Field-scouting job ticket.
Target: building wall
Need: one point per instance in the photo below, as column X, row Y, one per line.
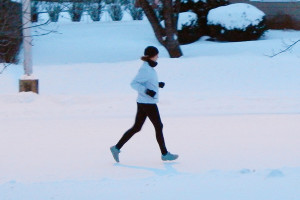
column 279, row 15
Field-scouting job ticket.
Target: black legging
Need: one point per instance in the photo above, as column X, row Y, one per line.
column 144, row 111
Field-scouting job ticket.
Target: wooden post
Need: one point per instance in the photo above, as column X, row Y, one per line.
column 29, row 85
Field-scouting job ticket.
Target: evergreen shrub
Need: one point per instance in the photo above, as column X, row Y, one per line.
column 236, row 22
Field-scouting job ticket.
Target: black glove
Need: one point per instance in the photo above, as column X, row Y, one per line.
column 161, row 84
column 151, row 93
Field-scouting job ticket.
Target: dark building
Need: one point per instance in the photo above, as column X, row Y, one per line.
column 280, row 14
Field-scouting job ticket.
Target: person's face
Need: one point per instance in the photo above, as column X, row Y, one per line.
column 154, row 58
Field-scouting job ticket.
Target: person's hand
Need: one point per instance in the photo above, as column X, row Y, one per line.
column 161, row 84
column 151, row 93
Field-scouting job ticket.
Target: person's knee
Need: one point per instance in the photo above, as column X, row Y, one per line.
column 159, row 126
column 136, row 129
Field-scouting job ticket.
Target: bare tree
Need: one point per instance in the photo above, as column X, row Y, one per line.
column 167, row 35
column 287, row 47
column 10, row 31
column 11, row 36
column 3, row 67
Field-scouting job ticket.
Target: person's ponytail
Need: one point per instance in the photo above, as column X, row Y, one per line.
column 145, row 58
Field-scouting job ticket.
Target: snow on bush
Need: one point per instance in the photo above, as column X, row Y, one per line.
column 76, row 11
column 239, row 15
column 53, row 9
column 187, row 1
column 95, row 11
column 186, row 19
column 115, row 11
column 236, row 22
column 201, row 8
column 188, row 28
column 136, row 13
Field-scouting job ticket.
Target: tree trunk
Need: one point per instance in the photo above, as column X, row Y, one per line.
column 157, row 28
column 173, row 48
column 166, row 36
column 172, row 44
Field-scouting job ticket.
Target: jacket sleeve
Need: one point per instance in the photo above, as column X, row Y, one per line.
column 139, row 82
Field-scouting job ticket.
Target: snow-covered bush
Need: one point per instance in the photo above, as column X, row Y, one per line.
column 95, row 10
column 187, row 5
column 115, row 11
column 236, row 22
column 76, row 11
column 201, row 8
column 136, row 13
column 188, row 28
column 34, row 11
column 125, row 2
column 53, row 10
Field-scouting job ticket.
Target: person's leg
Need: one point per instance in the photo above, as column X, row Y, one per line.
column 139, row 121
column 154, row 116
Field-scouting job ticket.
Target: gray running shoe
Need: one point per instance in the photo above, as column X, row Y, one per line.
column 115, row 152
column 169, row 156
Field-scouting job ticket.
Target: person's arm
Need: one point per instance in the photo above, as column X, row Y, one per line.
column 138, row 83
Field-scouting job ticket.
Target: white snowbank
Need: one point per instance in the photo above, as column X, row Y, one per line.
column 235, row 16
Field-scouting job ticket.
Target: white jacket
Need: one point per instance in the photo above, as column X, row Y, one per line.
column 146, row 78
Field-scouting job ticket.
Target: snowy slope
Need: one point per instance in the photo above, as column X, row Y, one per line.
column 229, row 111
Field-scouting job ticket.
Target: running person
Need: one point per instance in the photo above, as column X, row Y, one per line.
column 147, row 85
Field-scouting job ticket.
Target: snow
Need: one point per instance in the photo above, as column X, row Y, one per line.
column 27, row 77
column 229, row 111
column 235, row 16
column 186, row 18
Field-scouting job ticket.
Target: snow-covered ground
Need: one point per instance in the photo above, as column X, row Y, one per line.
column 231, row 113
